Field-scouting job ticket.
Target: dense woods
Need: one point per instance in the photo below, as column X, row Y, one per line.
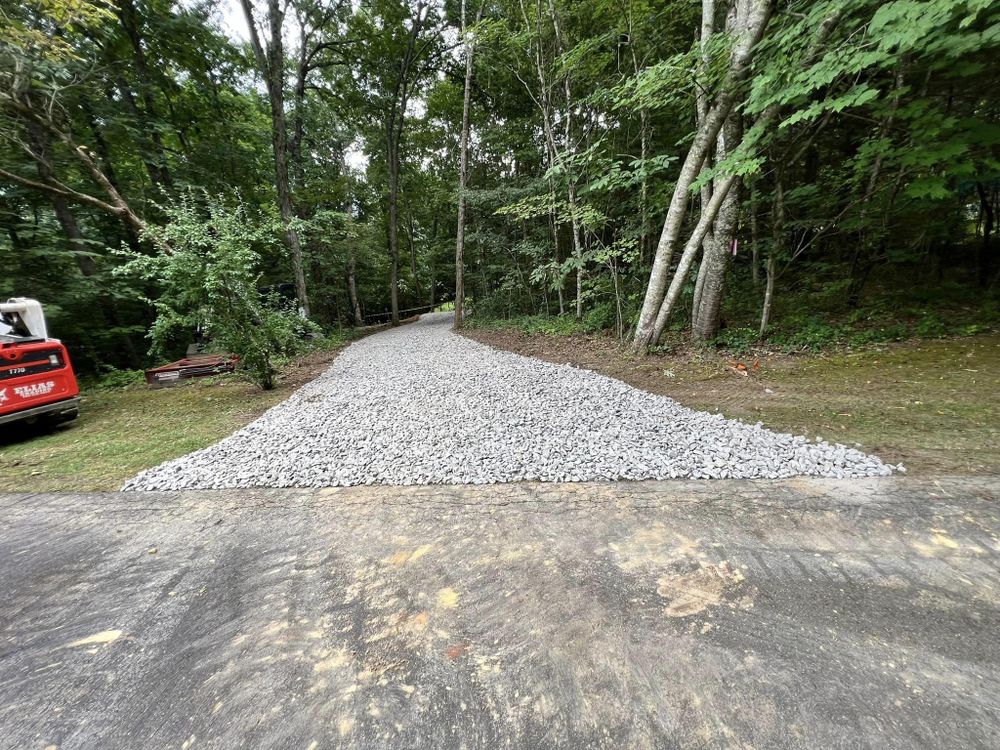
column 714, row 170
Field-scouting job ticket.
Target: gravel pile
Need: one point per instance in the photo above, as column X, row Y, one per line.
column 421, row 405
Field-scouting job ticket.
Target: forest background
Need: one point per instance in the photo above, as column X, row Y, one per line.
column 793, row 175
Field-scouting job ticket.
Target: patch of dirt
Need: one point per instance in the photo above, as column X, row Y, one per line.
column 301, row 370
column 693, row 591
column 932, row 405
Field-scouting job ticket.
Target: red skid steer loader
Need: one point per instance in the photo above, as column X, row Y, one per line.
column 36, row 377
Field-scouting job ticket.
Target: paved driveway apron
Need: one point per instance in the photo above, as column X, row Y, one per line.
column 806, row 613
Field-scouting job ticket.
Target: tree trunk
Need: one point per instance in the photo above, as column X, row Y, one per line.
column 765, row 315
column 688, row 256
column 554, row 229
column 862, row 262
column 706, row 316
column 701, row 107
column 40, row 143
column 577, row 250
column 352, row 289
column 394, row 229
column 777, row 247
column 104, row 154
column 754, row 236
column 271, row 64
column 418, row 286
column 40, row 147
column 718, row 253
column 544, row 103
column 571, row 180
column 699, row 284
column 984, row 258
column 115, row 205
column 644, row 138
column 463, row 177
column 298, row 102
column 434, row 235
column 647, row 331
column 394, row 121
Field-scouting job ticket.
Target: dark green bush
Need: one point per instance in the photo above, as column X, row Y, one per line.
column 112, row 378
column 736, row 340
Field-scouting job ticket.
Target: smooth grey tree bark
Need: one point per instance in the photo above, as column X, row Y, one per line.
column 701, row 101
column 648, row 329
column 352, row 289
column 765, row 315
column 749, row 23
column 777, row 247
column 716, row 253
column 688, row 255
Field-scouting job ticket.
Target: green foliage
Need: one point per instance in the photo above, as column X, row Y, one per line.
column 111, row 378
column 930, row 326
column 880, row 335
column 208, row 268
column 736, row 340
column 599, row 317
column 806, row 333
column 550, row 325
column 43, row 32
column 886, row 133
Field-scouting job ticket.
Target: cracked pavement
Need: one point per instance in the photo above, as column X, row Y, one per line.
column 802, row 613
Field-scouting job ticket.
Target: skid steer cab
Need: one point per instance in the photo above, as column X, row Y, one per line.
column 36, row 377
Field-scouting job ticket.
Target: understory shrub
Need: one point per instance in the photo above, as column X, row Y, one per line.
column 111, row 378
column 736, row 340
column 207, row 267
column 601, row 317
column 806, row 334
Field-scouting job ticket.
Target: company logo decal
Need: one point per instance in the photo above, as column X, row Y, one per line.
column 35, row 389
column 3, row 395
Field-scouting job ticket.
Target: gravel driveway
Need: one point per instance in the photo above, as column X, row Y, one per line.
column 421, row 405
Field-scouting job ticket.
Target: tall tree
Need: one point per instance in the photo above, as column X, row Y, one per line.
column 463, row 170
column 399, row 45
column 270, row 56
column 657, row 303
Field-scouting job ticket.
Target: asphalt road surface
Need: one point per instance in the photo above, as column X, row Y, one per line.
column 804, row 613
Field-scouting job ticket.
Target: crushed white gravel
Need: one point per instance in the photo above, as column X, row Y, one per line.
column 421, row 405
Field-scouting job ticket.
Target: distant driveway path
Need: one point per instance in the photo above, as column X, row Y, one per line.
column 422, row 405
column 798, row 614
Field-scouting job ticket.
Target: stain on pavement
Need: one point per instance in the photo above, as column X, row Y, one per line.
column 809, row 613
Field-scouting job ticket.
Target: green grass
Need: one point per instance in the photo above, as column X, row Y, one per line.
column 933, row 405
column 121, row 432
column 530, row 324
column 125, row 427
